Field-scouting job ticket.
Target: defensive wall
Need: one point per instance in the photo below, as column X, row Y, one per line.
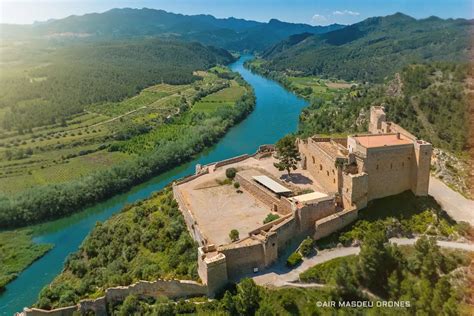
column 169, row 288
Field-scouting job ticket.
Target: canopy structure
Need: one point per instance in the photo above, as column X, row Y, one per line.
column 270, row 184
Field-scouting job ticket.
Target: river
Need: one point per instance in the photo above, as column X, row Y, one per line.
column 276, row 114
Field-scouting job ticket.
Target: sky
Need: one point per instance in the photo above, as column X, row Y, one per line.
column 322, row 12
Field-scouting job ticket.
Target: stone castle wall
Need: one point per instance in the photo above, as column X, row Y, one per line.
column 420, row 183
column 390, row 170
column 258, row 192
column 320, row 164
column 169, row 288
column 191, row 223
column 355, row 190
column 326, row 226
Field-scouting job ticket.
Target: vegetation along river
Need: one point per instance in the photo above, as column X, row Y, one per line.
column 276, row 114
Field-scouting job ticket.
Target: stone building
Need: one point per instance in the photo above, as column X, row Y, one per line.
column 336, row 178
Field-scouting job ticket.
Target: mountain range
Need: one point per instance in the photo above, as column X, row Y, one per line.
column 229, row 33
column 371, row 49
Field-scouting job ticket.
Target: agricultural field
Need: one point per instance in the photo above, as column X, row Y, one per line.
column 322, row 88
column 87, row 142
column 225, row 97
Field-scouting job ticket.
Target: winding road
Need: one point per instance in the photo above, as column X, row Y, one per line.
column 280, row 276
column 456, row 205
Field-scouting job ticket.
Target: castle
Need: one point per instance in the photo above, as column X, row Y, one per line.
column 336, row 177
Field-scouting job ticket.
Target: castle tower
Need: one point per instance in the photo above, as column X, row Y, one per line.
column 377, row 116
column 421, row 179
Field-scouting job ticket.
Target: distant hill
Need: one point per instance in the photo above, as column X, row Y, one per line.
column 85, row 73
column 371, row 49
column 229, row 33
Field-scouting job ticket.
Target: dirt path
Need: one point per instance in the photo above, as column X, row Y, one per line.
column 280, row 276
column 456, row 205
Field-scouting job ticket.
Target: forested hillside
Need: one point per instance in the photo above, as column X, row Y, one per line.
column 57, row 170
column 56, row 82
column 229, row 33
column 372, row 49
column 425, row 99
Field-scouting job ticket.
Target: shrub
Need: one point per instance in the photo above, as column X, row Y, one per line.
column 294, row 259
column 270, row 218
column 307, row 247
column 234, row 235
column 236, row 185
column 230, row 173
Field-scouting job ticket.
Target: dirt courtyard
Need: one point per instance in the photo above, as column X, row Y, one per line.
column 218, row 207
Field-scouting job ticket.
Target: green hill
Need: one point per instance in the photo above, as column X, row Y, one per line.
column 228, row 33
column 63, row 80
column 372, row 49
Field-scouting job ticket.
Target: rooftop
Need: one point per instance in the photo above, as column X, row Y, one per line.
column 271, row 184
column 381, row 140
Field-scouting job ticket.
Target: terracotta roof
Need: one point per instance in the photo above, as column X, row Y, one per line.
column 370, row 141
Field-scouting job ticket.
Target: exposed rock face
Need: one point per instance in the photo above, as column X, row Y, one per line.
column 452, row 170
column 395, row 87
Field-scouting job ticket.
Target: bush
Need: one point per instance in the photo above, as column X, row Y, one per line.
column 270, row 218
column 294, row 259
column 234, row 235
column 230, row 173
column 236, row 185
column 307, row 247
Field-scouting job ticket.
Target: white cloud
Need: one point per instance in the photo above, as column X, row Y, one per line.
column 318, row 18
column 346, row 12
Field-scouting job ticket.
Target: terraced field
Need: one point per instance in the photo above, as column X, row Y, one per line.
column 108, row 133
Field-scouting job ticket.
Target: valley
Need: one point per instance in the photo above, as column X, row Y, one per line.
column 100, row 116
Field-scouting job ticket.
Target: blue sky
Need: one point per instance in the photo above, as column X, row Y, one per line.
column 321, row 12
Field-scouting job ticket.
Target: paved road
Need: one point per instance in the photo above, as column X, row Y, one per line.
column 456, row 205
column 280, row 276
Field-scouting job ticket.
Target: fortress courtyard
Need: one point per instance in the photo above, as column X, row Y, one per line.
column 219, row 207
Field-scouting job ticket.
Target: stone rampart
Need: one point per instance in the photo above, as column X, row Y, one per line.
column 230, row 161
column 326, row 226
column 170, row 288
column 261, row 194
column 63, row 311
column 189, row 219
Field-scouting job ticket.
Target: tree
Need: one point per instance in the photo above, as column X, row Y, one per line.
column 227, row 303
column 287, row 154
column 270, row 218
column 247, row 298
column 234, row 235
column 230, row 173
column 307, row 246
column 441, row 294
column 344, row 281
column 130, row 306
column 373, row 255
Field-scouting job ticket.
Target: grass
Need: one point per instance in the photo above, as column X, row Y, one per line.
column 18, row 251
column 225, row 97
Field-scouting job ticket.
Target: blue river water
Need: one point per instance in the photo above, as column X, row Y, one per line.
column 276, row 114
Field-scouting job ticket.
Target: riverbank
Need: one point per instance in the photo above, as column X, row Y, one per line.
column 150, row 150
column 17, row 252
column 275, row 115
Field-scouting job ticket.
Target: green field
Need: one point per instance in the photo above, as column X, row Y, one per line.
column 221, row 98
column 80, row 145
column 17, row 251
